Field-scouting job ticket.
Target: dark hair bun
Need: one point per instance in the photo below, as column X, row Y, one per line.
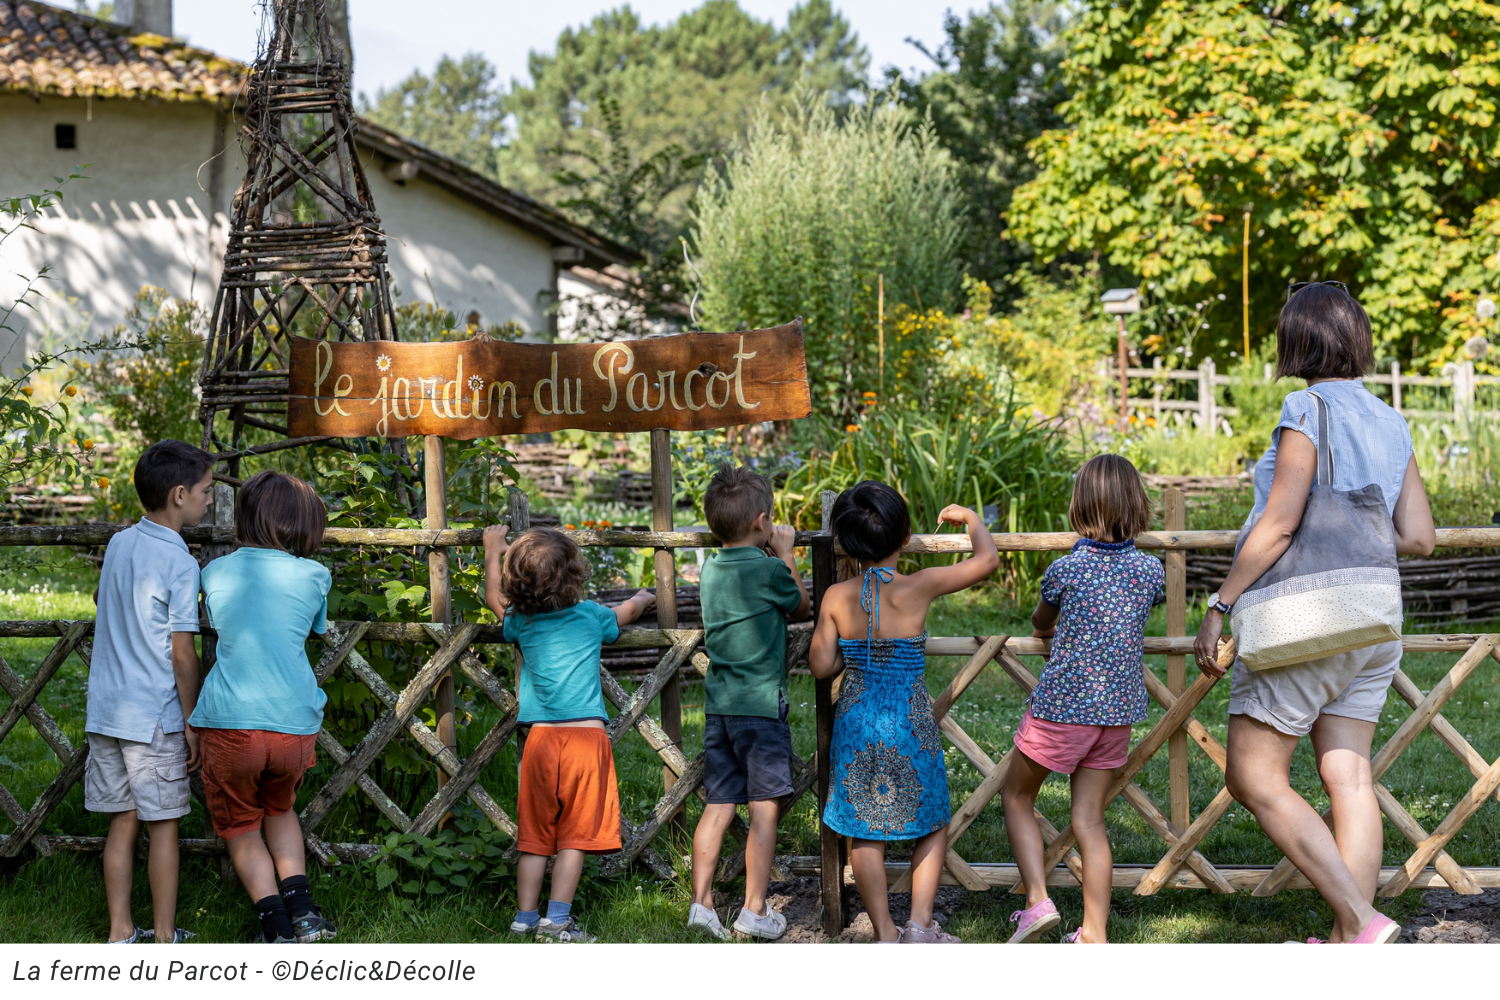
column 871, row 521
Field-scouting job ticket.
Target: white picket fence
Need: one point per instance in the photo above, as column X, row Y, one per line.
column 1205, row 412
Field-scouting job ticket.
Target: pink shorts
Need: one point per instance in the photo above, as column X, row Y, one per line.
column 1065, row 747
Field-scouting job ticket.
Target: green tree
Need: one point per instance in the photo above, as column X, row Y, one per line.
column 1361, row 139
column 994, row 89
column 457, row 110
column 693, row 84
column 808, row 215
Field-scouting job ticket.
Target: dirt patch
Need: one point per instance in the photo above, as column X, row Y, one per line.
column 800, row 901
column 1448, row 918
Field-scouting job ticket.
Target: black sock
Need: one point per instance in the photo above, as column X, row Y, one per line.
column 274, row 920
column 298, row 895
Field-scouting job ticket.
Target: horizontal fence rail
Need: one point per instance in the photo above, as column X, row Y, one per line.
column 1032, row 541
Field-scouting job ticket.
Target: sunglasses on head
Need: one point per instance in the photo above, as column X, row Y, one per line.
column 1297, row 286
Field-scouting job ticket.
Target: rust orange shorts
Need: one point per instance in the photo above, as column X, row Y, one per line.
column 569, row 799
column 249, row 774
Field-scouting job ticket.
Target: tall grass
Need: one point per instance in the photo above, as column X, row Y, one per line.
column 809, row 213
column 1021, row 466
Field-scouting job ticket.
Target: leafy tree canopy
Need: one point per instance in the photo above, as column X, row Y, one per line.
column 693, row 84
column 994, row 88
column 1362, row 140
column 457, row 110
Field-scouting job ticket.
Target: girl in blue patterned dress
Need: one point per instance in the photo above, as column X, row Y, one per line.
column 887, row 775
column 1096, row 600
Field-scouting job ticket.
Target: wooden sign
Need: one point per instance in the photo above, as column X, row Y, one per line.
column 477, row 388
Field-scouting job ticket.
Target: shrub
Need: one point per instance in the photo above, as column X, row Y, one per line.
column 807, row 218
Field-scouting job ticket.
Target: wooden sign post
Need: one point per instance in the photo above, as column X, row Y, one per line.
column 481, row 387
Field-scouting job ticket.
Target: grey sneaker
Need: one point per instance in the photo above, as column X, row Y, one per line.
column 136, row 936
column 915, row 933
column 706, row 920
column 313, row 926
column 567, row 931
column 521, row 928
column 768, row 926
column 179, row 936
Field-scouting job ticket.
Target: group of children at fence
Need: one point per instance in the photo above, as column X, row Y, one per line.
column 253, row 725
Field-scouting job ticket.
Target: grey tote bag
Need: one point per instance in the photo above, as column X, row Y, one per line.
column 1335, row 588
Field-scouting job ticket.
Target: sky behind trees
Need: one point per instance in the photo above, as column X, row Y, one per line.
column 389, row 42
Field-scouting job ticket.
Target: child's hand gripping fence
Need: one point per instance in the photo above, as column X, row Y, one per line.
column 1181, row 866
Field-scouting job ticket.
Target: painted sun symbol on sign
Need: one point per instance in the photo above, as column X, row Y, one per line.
column 383, row 362
column 476, row 383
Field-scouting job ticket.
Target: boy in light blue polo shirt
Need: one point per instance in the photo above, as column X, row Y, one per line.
column 143, row 684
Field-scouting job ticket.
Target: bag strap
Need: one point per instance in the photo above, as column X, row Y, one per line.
column 1325, row 445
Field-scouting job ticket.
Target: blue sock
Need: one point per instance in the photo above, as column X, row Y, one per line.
column 527, row 917
column 558, row 912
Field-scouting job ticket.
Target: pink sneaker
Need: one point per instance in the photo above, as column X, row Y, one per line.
column 1381, row 930
column 1032, row 923
column 1073, row 937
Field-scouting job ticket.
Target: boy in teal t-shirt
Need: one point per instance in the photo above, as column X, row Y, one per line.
column 747, row 594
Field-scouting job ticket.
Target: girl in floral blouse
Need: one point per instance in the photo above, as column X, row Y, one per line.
column 1096, row 600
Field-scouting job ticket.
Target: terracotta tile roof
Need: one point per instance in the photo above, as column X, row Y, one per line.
column 47, row 50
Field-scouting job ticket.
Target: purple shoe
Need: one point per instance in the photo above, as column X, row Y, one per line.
column 1032, row 923
column 915, row 933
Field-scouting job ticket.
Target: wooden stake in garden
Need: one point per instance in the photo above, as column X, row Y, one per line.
column 439, row 585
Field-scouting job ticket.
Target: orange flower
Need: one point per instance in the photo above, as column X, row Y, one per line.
column 26, row 390
column 104, row 482
column 569, row 527
column 71, row 390
column 604, row 524
column 87, row 444
column 1150, row 421
column 851, row 428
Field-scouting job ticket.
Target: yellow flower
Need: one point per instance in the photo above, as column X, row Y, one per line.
column 88, row 444
column 104, row 482
column 1150, row 421
column 71, row 390
column 26, row 390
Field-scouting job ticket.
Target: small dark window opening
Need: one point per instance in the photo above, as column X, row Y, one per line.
column 66, row 136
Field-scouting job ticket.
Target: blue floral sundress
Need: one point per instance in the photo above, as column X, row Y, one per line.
column 888, row 776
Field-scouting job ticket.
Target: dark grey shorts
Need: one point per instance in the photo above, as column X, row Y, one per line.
column 747, row 758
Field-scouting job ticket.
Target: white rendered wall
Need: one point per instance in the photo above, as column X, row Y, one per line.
column 148, row 211
column 449, row 251
column 154, row 211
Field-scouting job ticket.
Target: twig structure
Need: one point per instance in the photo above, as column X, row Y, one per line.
column 306, row 254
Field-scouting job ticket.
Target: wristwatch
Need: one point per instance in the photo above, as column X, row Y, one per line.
column 1218, row 605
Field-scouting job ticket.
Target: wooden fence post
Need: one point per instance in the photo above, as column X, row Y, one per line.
column 1175, row 509
column 1463, row 396
column 1396, row 386
column 520, row 521
column 220, row 516
column 439, row 585
column 1208, row 413
column 1157, row 385
column 824, row 568
column 666, row 590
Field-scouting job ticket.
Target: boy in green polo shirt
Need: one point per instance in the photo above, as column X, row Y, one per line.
column 747, row 593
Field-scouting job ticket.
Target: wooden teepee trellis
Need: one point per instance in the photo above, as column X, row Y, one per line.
column 306, row 253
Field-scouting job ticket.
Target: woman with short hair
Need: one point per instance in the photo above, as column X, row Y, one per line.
column 1323, row 336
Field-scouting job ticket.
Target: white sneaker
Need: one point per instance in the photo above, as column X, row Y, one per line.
column 707, row 920
column 767, row 927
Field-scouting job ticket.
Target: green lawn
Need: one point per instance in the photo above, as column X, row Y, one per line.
column 60, row 898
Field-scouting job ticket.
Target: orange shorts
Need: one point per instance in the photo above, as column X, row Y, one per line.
column 569, row 799
column 249, row 774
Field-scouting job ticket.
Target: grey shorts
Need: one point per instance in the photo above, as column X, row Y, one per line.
column 150, row 778
column 747, row 758
column 1290, row 699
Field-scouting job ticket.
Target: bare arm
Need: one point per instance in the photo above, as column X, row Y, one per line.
column 1296, row 468
column 1044, row 620
column 185, row 671
column 495, row 548
column 630, row 610
column 824, row 659
column 979, row 566
column 1412, row 519
column 782, row 536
